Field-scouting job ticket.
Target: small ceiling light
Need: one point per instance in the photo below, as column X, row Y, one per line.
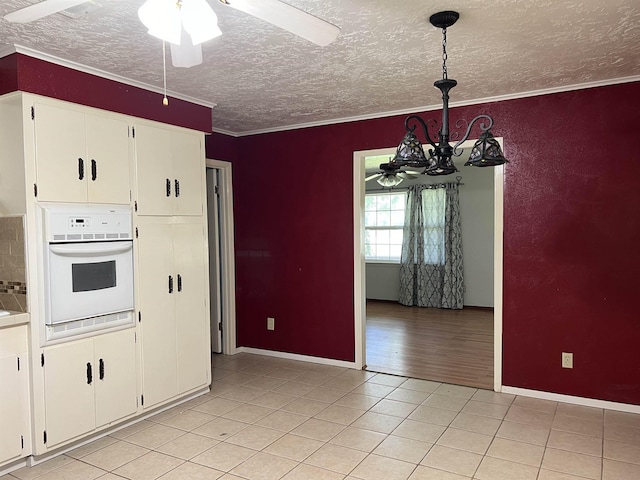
column 389, row 180
column 410, row 154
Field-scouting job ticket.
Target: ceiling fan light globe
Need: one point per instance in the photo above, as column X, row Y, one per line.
column 161, row 19
column 389, row 180
column 199, row 20
column 186, row 54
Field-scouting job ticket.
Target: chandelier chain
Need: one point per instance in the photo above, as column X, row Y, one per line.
column 444, row 54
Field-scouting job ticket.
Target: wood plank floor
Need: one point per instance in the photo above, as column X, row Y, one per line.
column 451, row 346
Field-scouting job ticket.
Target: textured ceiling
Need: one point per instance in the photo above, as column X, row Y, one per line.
column 385, row 59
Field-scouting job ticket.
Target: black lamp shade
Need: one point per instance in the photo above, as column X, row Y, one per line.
column 486, row 152
column 440, row 166
column 410, row 152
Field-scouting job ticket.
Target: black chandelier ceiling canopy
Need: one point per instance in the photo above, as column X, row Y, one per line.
column 410, row 153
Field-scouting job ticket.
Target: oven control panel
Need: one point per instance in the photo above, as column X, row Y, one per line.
column 75, row 223
column 80, row 222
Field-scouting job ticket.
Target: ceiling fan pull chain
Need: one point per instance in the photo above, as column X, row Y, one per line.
column 165, row 100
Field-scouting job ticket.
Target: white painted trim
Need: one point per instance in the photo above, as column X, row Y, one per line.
column 226, row 132
column 559, row 397
column 227, row 250
column 10, row 49
column 359, row 273
column 498, row 271
column 11, row 467
column 428, row 108
column 296, row 356
column 359, row 265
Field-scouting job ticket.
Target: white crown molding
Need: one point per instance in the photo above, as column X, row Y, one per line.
column 10, row 49
column 558, row 397
column 226, row 132
column 428, row 108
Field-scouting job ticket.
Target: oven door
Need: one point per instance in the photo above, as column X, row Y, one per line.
column 89, row 279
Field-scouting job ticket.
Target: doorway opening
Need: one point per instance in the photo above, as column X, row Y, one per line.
column 222, row 283
column 386, row 325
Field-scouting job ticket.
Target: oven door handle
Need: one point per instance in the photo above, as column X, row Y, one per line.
column 89, row 250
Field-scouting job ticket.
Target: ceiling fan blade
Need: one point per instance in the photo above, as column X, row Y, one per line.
column 186, row 54
column 40, row 10
column 289, row 18
column 374, row 176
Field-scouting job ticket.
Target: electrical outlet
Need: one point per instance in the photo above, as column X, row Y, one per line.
column 271, row 323
column 567, row 360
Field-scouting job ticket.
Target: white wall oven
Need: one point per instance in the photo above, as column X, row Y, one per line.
column 88, row 268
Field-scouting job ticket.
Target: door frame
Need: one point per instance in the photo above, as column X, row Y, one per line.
column 227, row 255
column 359, row 264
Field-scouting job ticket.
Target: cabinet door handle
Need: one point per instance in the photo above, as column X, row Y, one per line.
column 179, row 282
column 177, row 189
column 168, row 187
column 101, row 369
column 94, row 170
column 80, row 169
column 170, row 284
column 89, row 374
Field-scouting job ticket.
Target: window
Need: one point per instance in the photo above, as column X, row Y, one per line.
column 383, row 223
column 433, row 213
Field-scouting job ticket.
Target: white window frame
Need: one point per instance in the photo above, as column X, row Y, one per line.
column 384, row 227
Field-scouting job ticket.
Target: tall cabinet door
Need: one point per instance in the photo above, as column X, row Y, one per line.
column 154, row 173
column 61, row 156
column 68, row 388
column 115, row 377
column 108, row 160
column 192, row 319
column 188, row 171
column 156, row 304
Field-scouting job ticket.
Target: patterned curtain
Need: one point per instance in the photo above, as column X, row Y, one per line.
column 431, row 262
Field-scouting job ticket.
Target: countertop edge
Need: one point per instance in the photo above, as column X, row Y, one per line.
column 14, row 319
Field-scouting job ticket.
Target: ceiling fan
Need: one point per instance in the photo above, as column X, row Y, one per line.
column 391, row 176
column 185, row 24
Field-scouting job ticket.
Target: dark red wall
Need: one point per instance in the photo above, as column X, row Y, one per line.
column 51, row 80
column 571, row 229
column 572, row 194
column 222, row 147
column 8, row 74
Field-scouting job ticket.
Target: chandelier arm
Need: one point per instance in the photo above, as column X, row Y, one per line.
column 424, row 128
column 483, row 126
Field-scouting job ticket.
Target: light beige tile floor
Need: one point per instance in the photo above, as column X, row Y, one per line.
column 270, row 419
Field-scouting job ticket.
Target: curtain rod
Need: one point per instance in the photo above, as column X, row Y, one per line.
column 428, row 185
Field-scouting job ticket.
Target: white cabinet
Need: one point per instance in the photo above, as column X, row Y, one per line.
column 88, row 384
column 173, row 306
column 169, row 171
column 81, row 156
column 14, row 402
column 14, row 395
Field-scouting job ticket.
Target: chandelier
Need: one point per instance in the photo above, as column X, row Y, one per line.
column 410, row 154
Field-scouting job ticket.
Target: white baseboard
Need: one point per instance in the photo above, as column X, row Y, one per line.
column 587, row 402
column 10, row 467
column 296, row 356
